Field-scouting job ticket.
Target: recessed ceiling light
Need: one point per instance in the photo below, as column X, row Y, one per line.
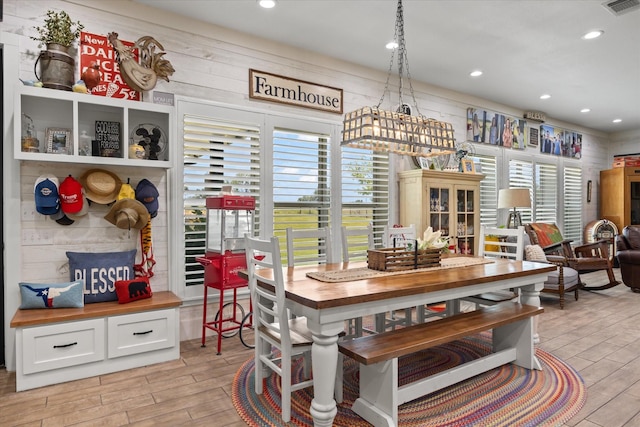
column 617, row 120
column 545, row 96
column 593, row 34
column 475, row 73
column 585, row 110
column 392, row 45
column 267, row 4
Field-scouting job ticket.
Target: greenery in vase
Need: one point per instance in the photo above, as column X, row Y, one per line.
column 58, row 28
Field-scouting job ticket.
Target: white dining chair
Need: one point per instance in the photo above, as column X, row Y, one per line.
column 495, row 242
column 274, row 328
column 356, row 241
column 308, row 246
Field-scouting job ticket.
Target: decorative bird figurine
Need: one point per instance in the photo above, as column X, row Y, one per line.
column 91, row 75
column 144, row 76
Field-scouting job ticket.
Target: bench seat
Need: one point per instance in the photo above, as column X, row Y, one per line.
column 380, row 393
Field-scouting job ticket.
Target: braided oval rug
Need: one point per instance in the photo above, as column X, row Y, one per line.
column 505, row 396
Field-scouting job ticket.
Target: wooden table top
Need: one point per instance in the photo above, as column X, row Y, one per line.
column 318, row 295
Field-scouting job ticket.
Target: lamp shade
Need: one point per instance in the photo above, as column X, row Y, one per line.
column 514, row 198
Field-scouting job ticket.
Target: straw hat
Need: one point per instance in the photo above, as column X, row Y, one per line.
column 100, row 185
column 128, row 214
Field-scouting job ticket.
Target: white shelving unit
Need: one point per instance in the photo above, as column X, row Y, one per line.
column 77, row 112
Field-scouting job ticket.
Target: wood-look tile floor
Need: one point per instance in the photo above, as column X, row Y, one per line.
column 599, row 335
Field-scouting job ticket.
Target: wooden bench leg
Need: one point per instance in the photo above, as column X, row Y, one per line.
column 518, row 335
column 378, row 401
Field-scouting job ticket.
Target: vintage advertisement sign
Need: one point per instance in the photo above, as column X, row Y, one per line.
column 285, row 90
column 96, row 48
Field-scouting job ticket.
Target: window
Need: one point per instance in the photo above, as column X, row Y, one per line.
column 572, row 194
column 365, row 190
column 521, row 176
column 301, row 182
column 546, row 193
column 216, row 153
column 488, row 190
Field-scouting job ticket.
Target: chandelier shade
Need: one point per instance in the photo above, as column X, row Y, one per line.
column 389, row 131
column 373, row 128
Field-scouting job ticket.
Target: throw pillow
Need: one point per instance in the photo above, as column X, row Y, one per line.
column 100, row 271
column 547, row 234
column 133, row 290
column 58, row 295
column 534, row 253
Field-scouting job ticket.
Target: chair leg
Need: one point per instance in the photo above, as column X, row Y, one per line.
column 561, row 300
column 285, row 398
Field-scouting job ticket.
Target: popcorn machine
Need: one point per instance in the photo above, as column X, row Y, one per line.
column 229, row 218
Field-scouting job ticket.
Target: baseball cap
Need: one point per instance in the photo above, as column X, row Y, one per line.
column 46, row 194
column 71, row 200
column 147, row 194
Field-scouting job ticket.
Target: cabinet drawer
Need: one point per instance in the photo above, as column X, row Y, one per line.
column 141, row 332
column 63, row 344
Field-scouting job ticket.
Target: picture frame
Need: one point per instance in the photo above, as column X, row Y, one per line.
column 468, row 166
column 58, row 141
column 424, row 162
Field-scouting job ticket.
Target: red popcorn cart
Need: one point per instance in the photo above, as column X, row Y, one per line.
column 229, row 218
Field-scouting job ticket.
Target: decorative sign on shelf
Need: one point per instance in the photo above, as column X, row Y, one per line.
column 96, row 49
column 108, row 142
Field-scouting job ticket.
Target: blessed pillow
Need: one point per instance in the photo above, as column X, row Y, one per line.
column 99, row 271
column 58, row 295
column 133, row 290
column 534, row 253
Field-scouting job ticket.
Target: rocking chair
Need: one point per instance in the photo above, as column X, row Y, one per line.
column 584, row 258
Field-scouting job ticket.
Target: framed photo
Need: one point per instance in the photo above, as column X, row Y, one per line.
column 58, row 141
column 424, row 162
column 468, row 166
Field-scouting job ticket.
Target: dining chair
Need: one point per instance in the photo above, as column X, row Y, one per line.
column 495, row 242
column 398, row 236
column 356, row 241
column 274, row 330
column 308, row 246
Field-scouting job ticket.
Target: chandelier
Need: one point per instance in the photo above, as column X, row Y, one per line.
column 397, row 131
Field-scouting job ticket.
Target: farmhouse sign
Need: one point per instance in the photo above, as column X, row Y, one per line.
column 285, row 90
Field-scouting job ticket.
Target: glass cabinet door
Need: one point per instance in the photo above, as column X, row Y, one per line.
column 439, row 210
column 465, row 219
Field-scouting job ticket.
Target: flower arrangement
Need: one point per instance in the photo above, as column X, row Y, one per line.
column 432, row 240
column 58, row 28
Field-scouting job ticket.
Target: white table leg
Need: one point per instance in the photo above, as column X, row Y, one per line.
column 324, row 358
column 531, row 296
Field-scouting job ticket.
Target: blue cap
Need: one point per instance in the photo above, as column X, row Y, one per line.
column 147, row 194
column 46, row 195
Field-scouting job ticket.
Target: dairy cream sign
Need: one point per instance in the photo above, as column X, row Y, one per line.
column 285, row 90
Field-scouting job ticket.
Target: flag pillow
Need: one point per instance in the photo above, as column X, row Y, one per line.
column 53, row 295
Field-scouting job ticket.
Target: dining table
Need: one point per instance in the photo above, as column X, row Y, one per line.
column 329, row 294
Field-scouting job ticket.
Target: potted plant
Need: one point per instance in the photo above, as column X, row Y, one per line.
column 58, row 34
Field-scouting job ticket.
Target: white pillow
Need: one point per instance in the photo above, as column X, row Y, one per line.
column 534, row 253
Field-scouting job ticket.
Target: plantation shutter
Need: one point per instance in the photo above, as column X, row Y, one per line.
column 546, row 195
column 572, row 194
column 488, row 190
column 521, row 176
column 216, row 153
column 301, row 181
column 365, row 190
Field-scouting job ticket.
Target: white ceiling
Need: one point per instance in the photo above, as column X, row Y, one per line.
column 525, row 47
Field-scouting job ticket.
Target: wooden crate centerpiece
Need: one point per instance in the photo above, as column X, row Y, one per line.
column 396, row 259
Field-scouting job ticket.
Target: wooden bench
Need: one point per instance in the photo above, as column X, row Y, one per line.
column 380, row 393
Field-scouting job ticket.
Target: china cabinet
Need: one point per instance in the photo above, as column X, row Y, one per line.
column 445, row 201
column 620, row 196
column 82, row 128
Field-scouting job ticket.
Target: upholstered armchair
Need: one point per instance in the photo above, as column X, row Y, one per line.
column 584, row 258
column 628, row 254
column 564, row 280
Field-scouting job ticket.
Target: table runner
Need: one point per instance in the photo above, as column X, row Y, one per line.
column 363, row 273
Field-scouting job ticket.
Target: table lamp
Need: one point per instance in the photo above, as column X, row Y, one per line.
column 514, row 198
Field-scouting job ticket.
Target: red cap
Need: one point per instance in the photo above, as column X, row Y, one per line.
column 70, row 195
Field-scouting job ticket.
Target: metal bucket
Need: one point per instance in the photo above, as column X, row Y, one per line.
column 57, row 67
